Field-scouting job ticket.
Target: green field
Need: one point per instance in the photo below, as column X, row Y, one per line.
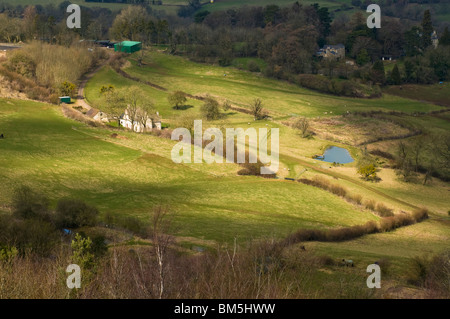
column 436, row 93
column 129, row 176
column 62, row 158
column 240, row 87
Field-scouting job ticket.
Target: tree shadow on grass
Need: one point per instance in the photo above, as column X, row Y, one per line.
column 183, row 107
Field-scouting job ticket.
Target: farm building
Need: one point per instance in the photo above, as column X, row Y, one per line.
column 97, row 115
column 128, row 46
column 332, row 51
column 65, row 99
column 139, row 126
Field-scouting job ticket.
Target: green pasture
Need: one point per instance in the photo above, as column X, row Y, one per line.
column 63, row 158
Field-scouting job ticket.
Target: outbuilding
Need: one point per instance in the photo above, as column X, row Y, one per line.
column 65, row 99
column 128, row 46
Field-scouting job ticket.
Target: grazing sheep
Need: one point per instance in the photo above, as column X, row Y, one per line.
column 347, row 263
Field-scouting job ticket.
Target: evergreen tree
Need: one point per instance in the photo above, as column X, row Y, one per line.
column 410, row 70
column 377, row 74
column 427, row 29
column 395, row 76
column 445, row 38
column 363, row 57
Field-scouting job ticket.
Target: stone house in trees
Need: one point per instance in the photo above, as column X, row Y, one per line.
column 332, row 51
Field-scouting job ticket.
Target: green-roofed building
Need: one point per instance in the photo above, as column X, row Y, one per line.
column 128, row 46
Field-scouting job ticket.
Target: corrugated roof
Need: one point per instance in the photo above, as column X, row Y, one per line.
column 129, row 43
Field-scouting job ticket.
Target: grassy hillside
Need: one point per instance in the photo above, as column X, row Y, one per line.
column 63, row 158
column 128, row 176
column 241, row 87
column 283, row 100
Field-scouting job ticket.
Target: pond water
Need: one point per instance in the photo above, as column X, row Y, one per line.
column 336, row 154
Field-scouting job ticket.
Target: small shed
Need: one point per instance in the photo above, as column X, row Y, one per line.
column 64, row 99
column 128, row 46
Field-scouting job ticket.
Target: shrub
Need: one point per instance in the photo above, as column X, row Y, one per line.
column 370, row 204
column 67, row 88
column 368, row 172
column 257, row 110
column 396, row 221
column 106, row 88
column 417, row 273
column 252, row 66
column 383, row 211
column 302, row 124
column 338, row 190
column 226, row 105
column 21, row 63
column 381, row 153
column 356, row 199
column 210, row 109
column 385, row 265
column 28, row 236
column 420, row 214
column 73, row 213
column 28, row 204
column 254, row 169
column 326, row 260
column 438, row 273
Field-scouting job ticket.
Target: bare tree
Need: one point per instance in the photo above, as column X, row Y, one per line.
column 257, row 110
column 161, row 227
column 139, row 107
column 302, row 124
column 417, row 148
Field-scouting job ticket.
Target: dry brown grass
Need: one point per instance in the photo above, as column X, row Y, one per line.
column 356, row 130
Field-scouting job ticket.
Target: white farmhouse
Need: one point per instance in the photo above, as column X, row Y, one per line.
column 146, row 125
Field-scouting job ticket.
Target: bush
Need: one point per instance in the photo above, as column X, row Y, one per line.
column 396, row 221
column 302, row 124
column 326, row 260
column 325, row 85
column 28, row 204
column 437, row 277
column 420, row 214
column 21, row 63
column 30, row 236
column 333, row 235
column 210, row 109
column 417, row 273
column 73, row 213
column 368, row 172
column 226, row 105
column 254, row 169
column 381, row 153
column 357, row 199
column 252, row 66
column 385, row 265
column 338, row 190
column 383, row 211
column 257, row 110
column 370, row 204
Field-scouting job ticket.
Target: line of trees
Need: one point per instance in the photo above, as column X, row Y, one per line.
column 285, row 38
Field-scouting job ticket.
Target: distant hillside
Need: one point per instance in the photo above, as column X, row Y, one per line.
column 411, row 9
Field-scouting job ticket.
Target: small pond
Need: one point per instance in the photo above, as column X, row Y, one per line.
column 336, row 154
